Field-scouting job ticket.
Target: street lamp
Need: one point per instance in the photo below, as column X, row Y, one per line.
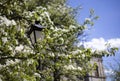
column 35, row 32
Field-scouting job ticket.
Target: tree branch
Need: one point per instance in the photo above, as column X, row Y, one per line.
column 10, row 57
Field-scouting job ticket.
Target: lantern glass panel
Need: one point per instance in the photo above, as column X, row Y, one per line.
column 36, row 35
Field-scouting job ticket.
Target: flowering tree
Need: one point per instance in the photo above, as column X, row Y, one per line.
column 58, row 53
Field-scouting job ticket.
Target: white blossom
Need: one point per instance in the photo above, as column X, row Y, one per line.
column 0, row 79
column 2, row 31
column 63, row 55
column 83, row 55
column 40, row 7
column 76, row 51
column 16, row 41
column 19, row 48
column 28, row 50
column 51, row 54
column 55, row 35
column 13, row 22
column 79, row 68
column 70, row 67
column 30, row 61
column 10, row 48
column 36, row 74
column 40, row 18
column 56, row 29
column 11, row 62
column 52, row 28
column 47, row 14
column 72, row 26
column 31, row 14
column 7, row 22
column 5, row 33
column 59, row 29
column 4, row 39
column 87, row 19
column 64, row 30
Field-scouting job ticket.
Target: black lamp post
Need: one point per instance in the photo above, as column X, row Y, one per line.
column 35, row 32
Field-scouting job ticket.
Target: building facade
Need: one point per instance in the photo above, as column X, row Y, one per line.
column 98, row 74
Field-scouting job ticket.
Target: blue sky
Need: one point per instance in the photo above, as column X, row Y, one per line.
column 107, row 27
column 109, row 12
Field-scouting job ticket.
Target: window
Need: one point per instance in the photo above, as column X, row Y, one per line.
column 96, row 72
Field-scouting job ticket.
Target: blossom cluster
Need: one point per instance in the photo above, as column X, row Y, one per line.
column 6, row 21
column 41, row 14
column 72, row 67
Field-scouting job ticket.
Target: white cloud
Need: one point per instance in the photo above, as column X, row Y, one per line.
column 108, row 71
column 114, row 42
column 100, row 43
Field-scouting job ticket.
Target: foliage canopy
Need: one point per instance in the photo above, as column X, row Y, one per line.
column 57, row 52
